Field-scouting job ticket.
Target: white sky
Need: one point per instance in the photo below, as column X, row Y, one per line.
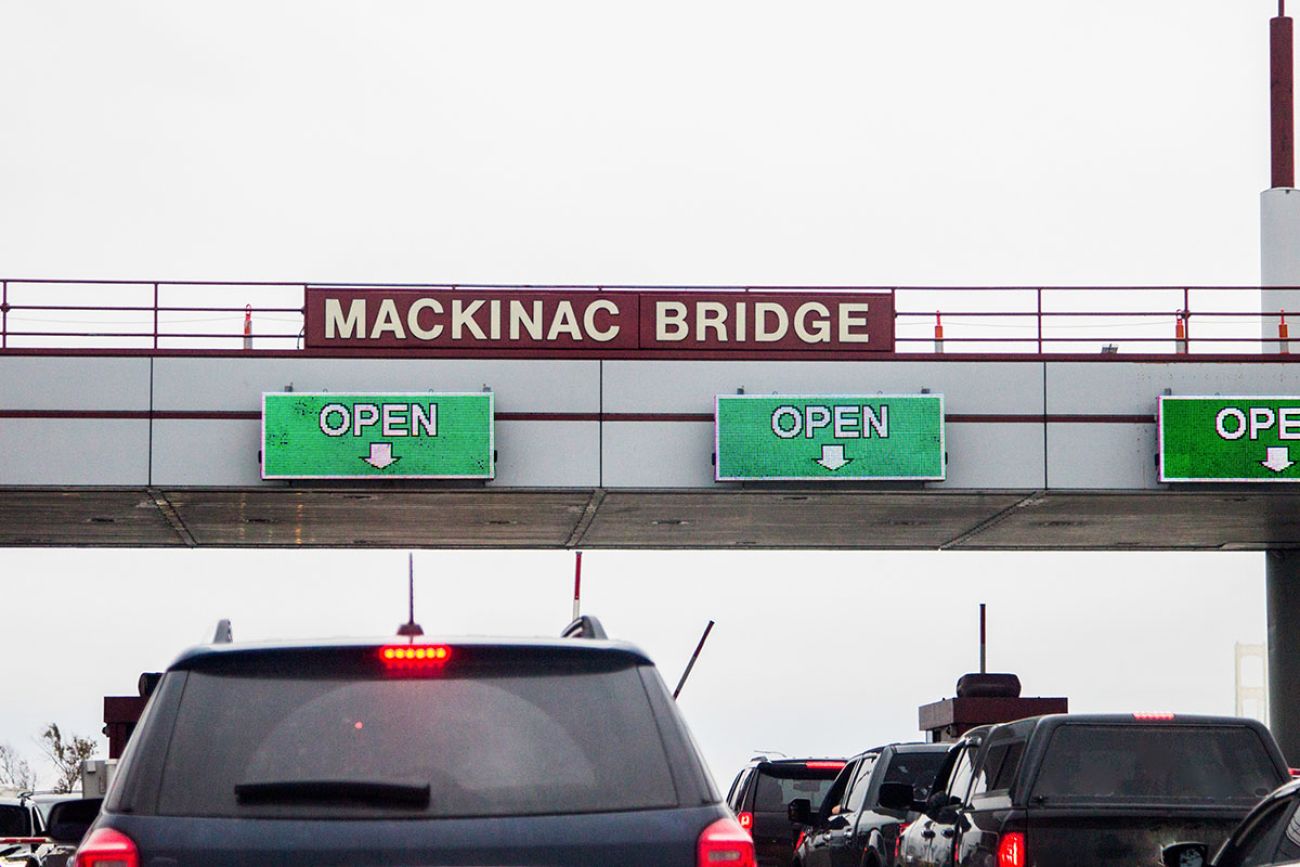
column 1020, row 141
column 815, row 653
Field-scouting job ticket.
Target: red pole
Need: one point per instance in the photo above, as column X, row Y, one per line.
column 694, row 656
column 1281, row 84
column 577, row 585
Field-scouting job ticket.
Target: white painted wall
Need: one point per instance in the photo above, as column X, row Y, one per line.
column 992, row 454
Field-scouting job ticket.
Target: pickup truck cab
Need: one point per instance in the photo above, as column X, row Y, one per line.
column 1093, row 790
column 928, row 841
column 863, row 825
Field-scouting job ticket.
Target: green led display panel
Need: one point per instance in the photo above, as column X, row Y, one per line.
column 787, row 437
column 1229, row 439
column 420, row 435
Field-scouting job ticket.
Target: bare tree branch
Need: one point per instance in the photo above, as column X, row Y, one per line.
column 66, row 756
column 15, row 773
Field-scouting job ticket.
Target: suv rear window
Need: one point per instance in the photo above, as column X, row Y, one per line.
column 1187, row 764
column 497, row 743
column 774, row 793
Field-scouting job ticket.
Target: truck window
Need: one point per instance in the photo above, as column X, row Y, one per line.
column 945, row 771
column 1179, row 764
column 1010, row 766
column 915, row 769
column 959, row 782
column 835, row 794
column 988, row 771
column 734, row 793
column 858, row 794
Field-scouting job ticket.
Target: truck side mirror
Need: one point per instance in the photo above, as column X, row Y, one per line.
column 799, row 811
column 1185, row 853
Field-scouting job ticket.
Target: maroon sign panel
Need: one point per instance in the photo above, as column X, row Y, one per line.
column 567, row 322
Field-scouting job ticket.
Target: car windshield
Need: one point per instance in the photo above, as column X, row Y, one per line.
column 492, row 744
column 1197, row 764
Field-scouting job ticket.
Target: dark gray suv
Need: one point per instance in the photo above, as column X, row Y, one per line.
column 520, row 752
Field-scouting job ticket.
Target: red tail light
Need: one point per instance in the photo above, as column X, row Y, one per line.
column 722, row 843
column 107, row 848
column 746, row 821
column 1153, row 717
column 898, row 841
column 824, row 766
column 1295, row 772
column 1011, row 850
column 414, row 658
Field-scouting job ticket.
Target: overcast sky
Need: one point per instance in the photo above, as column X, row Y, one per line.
column 873, row 142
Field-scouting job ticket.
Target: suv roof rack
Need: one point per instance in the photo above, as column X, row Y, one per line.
column 585, row 626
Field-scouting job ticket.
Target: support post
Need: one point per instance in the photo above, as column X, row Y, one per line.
column 1282, row 576
column 1280, row 204
column 984, row 643
column 1282, row 113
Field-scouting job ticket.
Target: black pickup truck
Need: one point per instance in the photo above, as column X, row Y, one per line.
column 1094, row 790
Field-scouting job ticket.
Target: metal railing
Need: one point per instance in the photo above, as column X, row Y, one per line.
column 268, row 316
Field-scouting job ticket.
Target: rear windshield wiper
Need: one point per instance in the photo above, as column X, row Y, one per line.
column 333, row 792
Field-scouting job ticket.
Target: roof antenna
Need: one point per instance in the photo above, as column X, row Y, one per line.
column 410, row 628
column 694, row 656
column 577, row 585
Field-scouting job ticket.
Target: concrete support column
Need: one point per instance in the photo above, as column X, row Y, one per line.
column 1282, row 574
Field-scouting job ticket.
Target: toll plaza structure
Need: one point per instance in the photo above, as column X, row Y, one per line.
column 1004, row 434
column 186, row 413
